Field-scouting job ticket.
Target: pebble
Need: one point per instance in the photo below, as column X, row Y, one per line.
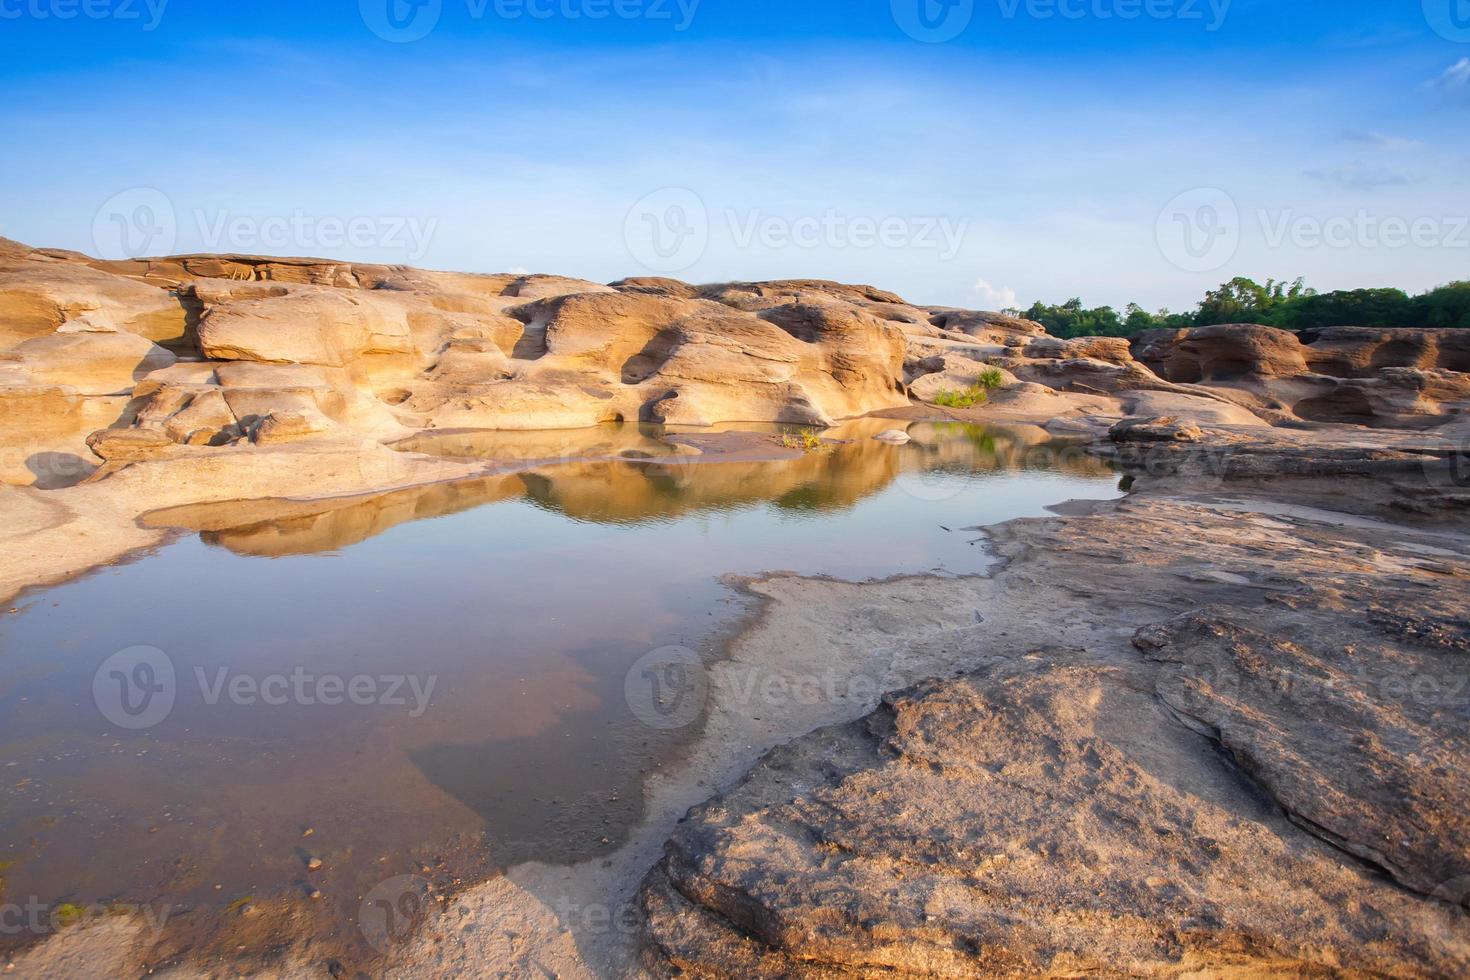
column 308, row 832
column 314, row 864
column 316, row 895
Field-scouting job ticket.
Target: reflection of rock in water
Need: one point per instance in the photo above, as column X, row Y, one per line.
column 648, row 491
column 280, row 528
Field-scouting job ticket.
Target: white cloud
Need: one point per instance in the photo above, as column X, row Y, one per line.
column 1361, row 177
column 987, row 297
column 1455, row 77
column 1381, row 141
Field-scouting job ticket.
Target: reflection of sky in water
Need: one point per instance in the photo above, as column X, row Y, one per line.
column 528, row 609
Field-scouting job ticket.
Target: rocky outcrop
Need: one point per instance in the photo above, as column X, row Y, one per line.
column 204, row 348
column 1229, row 352
column 1264, row 784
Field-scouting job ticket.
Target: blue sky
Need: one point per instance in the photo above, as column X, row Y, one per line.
column 1115, row 150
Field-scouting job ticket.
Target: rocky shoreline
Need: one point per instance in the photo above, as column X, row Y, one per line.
column 1216, row 728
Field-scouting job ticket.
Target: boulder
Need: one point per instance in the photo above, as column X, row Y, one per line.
column 129, row 445
column 1224, row 353
column 92, row 362
column 285, row 426
column 1165, row 429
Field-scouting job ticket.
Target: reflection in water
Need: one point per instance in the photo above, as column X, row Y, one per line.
column 524, row 598
column 662, row 487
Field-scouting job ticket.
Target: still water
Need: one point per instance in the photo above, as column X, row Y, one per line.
column 433, row 681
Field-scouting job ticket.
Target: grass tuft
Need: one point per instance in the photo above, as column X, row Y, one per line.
column 977, row 394
column 807, row 440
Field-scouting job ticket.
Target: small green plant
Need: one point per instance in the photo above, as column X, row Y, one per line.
column 68, row 914
column 965, row 398
column 807, row 440
column 977, row 394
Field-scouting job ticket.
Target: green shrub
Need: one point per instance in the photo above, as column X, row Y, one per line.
column 968, row 398
column 807, row 440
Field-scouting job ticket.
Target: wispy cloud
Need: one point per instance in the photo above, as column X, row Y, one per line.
column 1360, row 177
column 1381, row 141
column 1455, row 80
column 988, row 297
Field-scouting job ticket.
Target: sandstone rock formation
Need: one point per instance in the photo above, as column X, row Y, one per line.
column 1266, row 784
column 219, row 351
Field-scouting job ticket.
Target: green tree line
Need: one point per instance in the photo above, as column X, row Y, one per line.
column 1288, row 305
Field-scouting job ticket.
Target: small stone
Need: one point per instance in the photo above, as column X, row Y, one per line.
column 894, row 437
column 314, row 864
column 308, row 832
column 316, row 895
